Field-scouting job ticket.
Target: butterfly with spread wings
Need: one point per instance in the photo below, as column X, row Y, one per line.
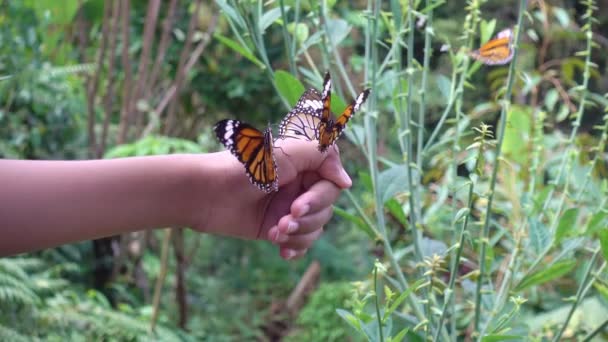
column 253, row 148
column 330, row 129
column 496, row 51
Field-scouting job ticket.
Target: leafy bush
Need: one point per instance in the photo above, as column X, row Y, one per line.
column 318, row 319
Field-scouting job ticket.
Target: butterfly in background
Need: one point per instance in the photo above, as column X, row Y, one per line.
column 302, row 122
column 330, row 129
column 496, row 51
column 253, row 148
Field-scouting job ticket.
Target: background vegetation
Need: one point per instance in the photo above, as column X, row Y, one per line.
column 479, row 207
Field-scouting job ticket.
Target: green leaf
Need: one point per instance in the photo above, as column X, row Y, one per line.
column 603, row 236
column 338, row 29
column 359, row 223
column 351, row 319
column 602, row 290
column 551, row 99
column 400, row 336
column 402, row 297
column 562, row 16
column 289, row 87
column 270, row 17
column 231, row 13
column 396, row 209
column 540, row 238
column 566, row 224
column 239, row 49
column 445, row 85
column 517, row 133
column 487, row 29
column 545, row 275
column 337, row 104
column 392, row 181
column 596, row 222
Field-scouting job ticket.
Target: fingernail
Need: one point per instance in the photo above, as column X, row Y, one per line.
column 289, row 253
column 305, row 210
column 281, row 238
column 273, row 234
column 292, row 226
column 346, row 177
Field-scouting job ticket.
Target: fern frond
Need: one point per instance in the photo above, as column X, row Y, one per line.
column 8, row 334
column 23, row 295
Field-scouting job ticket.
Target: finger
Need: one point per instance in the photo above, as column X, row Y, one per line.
column 302, row 241
column 290, row 254
column 305, row 156
column 332, row 169
column 288, row 225
column 322, row 194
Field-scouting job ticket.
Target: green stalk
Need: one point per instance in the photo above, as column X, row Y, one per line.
column 595, row 331
column 371, row 51
column 408, row 134
column 296, row 21
column 582, row 290
column 336, row 53
column 423, row 86
column 377, row 302
column 286, row 40
column 258, row 42
column 454, row 266
column 362, row 213
column 501, row 134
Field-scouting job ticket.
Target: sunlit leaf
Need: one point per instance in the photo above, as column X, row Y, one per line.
column 566, row 224
column 238, row 48
column 290, row 87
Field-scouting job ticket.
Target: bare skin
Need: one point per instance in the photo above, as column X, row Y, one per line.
column 48, row 203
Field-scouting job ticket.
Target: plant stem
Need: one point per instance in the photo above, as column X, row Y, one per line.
column 595, row 331
column 582, row 290
column 501, row 134
column 286, row 39
column 377, row 301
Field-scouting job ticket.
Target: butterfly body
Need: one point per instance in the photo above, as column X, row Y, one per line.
column 497, row 51
column 331, row 129
column 254, row 149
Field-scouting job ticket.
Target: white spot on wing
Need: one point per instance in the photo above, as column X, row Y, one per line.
column 313, row 104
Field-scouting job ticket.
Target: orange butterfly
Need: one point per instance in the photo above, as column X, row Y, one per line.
column 329, row 128
column 497, row 51
column 253, row 148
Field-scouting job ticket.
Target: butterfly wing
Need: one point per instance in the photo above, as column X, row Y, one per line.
column 496, row 51
column 253, row 148
column 302, row 122
column 326, row 124
column 329, row 133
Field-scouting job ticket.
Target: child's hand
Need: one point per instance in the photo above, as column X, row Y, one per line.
column 293, row 218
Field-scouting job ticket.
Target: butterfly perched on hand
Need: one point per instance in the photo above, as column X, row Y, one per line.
column 253, row 148
column 302, row 122
column 330, row 129
column 496, row 51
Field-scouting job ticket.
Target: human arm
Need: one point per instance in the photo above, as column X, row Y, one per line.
column 48, row 203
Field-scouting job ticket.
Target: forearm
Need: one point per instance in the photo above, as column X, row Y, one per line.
column 47, row 203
